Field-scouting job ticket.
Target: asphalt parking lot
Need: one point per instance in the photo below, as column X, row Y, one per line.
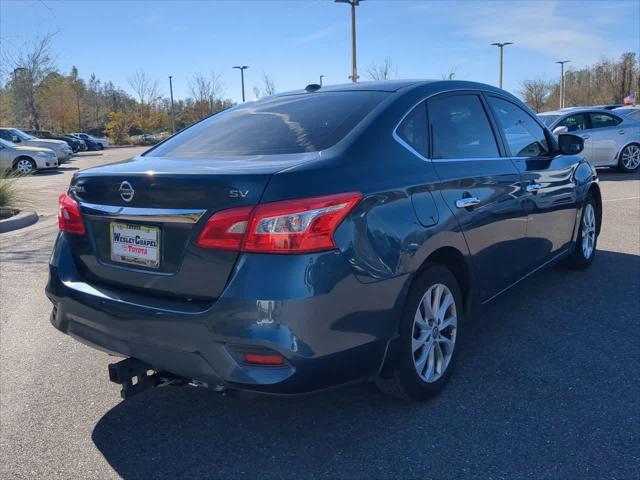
column 547, row 385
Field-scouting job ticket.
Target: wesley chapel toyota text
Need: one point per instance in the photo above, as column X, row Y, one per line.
column 319, row 237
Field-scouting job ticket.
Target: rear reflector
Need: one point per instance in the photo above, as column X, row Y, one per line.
column 69, row 217
column 290, row 226
column 259, row 359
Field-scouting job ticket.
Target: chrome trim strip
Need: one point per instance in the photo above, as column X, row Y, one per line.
column 157, row 215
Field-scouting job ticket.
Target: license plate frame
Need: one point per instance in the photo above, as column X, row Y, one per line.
column 135, row 244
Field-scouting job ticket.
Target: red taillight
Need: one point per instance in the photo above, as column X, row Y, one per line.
column 290, row 226
column 225, row 230
column 262, row 359
column 69, row 218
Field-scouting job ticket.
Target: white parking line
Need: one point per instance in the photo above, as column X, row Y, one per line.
column 620, row 199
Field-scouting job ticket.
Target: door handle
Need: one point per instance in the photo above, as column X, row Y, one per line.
column 467, row 202
column 621, row 132
column 586, row 137
column 533, row 187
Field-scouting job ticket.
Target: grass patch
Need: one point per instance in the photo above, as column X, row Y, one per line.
column 8, row 189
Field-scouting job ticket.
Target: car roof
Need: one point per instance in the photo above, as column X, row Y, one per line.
column 398, row 85
column 567, row 111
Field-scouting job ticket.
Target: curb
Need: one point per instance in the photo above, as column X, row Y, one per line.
column 23, row 219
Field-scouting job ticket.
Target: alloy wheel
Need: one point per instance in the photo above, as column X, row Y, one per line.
column 588, row 231
column 434, row 332
column 24, row 167
column 631, row 157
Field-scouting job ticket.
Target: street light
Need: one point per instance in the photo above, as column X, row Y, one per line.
column 173, row 114
column 242, row 69
column 501, row 47
column 562, row 62
column 354, row 68
column 321, row 77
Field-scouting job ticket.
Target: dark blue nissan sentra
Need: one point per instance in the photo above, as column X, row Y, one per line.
column 319, row 237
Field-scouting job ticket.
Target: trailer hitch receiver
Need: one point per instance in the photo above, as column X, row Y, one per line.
column 134, row 375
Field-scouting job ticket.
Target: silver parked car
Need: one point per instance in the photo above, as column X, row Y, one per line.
column 611, row 139
column 25, row 160
column 14, row 135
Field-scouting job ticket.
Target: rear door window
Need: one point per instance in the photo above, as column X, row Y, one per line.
column 460, row 128
column 603, row 120
column 413, row 129
column 278, row 125
column 525, row 137
column 575, row 123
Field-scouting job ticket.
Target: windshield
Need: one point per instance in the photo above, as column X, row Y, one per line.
column 21, row 135
column 280, row 125
column 7, row 144
column 548, row 119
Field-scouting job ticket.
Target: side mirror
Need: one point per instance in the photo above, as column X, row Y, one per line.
column 15, row 139
column 560, row 130
column 570, row 144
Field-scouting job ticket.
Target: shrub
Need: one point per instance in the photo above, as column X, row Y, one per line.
column 8, row 190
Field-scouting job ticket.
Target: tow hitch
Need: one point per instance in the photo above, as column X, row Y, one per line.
column 136, row 376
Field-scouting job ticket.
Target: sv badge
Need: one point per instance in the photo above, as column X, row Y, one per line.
column 234, row 193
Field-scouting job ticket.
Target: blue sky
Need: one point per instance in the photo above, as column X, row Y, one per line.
column 295, row 41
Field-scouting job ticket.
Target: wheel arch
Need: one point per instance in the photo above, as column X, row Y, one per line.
column 23, row 157
column 594, row 191
column 454, row 260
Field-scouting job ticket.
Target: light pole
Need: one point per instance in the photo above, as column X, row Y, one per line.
column 173, row 114
column 562, row 62
column 354, row 68
column 15, row 90
column 242, row 69
column 501, row 47
column 321, row 77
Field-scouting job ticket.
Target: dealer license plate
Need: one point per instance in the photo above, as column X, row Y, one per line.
column 135, row 244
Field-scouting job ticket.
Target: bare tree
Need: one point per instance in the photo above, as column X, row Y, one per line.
column 269, row 86
column 256, row 92
column 200, row 87
column 29, row 65
column 535, row 93
column 206, row 90
column 384, row 71
column 145, row 89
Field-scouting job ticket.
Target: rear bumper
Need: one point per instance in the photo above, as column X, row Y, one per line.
column 329, row 330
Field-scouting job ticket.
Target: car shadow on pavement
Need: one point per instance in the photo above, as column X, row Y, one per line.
column 546, row 384
column 612, row 175
column 57, row 171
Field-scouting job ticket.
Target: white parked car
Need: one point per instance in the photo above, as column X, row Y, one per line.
column 611, row 137
column 25, row 160
column 62, row 149
column 102, row 142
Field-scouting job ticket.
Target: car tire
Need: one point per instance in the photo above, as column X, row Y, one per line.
column 585, row 247
column 100, row 146
column 24, row 166
column 428, row 343
column 629, row 160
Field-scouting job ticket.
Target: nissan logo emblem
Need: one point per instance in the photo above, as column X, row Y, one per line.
column 126, row 191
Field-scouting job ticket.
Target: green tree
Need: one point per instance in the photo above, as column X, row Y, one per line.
column 118, row 127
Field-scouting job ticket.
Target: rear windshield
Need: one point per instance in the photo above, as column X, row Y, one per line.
column 291, row 124
column 548, row 119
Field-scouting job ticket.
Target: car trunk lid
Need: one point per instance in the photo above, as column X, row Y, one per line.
column 143, row 217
